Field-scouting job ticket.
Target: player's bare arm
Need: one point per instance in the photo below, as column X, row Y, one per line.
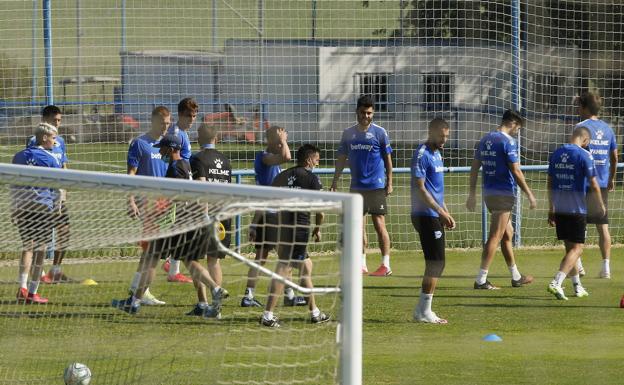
column 388, row 163
column 595, row 189
column 284, row 151
column 551, row 207
column 519, row 176
column 133, row 209
column 471, row 202
column 424, row 195
column 613, row 155
column 316, row 232
column 341, row 163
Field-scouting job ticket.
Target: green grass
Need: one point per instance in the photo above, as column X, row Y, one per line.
column 545, row 341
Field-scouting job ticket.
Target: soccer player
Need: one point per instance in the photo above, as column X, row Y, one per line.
column 430, row 216
column 294, row 236
column 52, row 115
column 603, row 148
column 211, row 165
column 263, row 232
column 145, row 159
column 35, row 213
column 187, row 113
column 366, row 146
column 571, row 174
column 497, row 153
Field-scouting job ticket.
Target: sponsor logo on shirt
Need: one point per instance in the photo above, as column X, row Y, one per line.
column 488, row 145
column 361, row 147
column 369, row 135
column 218, row 163
column 291, row 180
column 599, row 134
column 155, row 155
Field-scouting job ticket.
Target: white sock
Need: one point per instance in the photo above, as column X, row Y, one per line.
column 385, row 260
column 33, row 287
column 605, row 265
column 174, row 267
column 482, row 276
column 23, row 280
column 249, row 293
column 515, row 274
column 424, row 304
column 43, row 272
column 267, row 315
column 202, row 305
column 364, row 261
column 559, row 277
column 215, row 290
column 576, row 279
column 135, row 282
column 579, row 264
column 315, row 312
column 290, row 293
column 55, row 269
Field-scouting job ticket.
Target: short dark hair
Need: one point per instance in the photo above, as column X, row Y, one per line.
column 50, row 110
column 187, row 105
column 365, row 101
column 161, row 111
column 591, row 101
column 305, row 152
column 438, row 123
column 512, row 116
column 581, row 131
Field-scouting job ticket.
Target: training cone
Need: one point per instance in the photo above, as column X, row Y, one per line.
column 492, row 338
column 88, row 282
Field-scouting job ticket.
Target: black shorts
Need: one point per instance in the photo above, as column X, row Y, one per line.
column 592, row 216
column 212, row 249
column 431, row 234
column 186, row 246
column 374, row 201
column 35, row 224
column 571, row 227
column 266, row 231
column 294, row 242
column 499, row 202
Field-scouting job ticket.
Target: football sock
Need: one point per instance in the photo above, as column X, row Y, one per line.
column 363, row 260
column 23, row 280
column 576, row 279
column 559, row 277
column 33, row 287
column 385, row 260
column 135, row 282
column 482, row 276
column 55, row 269
column 515, row 274
column 425, row 303
column 267, row 315
column 290, row 293
column 174, row 267
column 579, row 264
column 605, row 266
column 215, row 290
column 315, row 312
column 249, row 293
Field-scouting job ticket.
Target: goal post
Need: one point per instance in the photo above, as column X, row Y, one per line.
column 96, row 203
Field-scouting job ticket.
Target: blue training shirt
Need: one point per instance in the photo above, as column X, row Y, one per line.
column 40, row 157
column 495, row 151
column 265, row 174
column 59, row 150
column 570, row 168
column 185, row 151
column 145, row 157
column 602, row 143
column 427, row 165
column 365, row 151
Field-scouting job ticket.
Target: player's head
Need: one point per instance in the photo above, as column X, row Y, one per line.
column 187, row 112
column 206, row 133
column 589, row 104
column 274, row 133
column 161, row 120
column 581, row 136
column 513, row 121
column 52, row 115
column 45, row 134
column 439, row 132
column 169, row 146
column 365, row 110
column 308, row 156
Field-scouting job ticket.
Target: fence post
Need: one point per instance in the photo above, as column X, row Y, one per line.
column 517, row 105
column 47, row 43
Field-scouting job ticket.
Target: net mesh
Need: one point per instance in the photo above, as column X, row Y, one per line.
column 159, row 344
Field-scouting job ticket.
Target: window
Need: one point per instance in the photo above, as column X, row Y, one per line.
column 377, row 85
column 438, row 90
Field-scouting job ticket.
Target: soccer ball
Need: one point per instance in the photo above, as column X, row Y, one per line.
column 77, row 374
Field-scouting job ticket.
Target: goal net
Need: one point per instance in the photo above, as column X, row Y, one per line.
column 163, row 344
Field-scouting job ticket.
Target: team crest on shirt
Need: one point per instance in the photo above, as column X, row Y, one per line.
column 291, row 180
column 599, row 134
column 369, row 135
column 488, row 145
column 564, row 157
column 30, row 162
column 218, row 163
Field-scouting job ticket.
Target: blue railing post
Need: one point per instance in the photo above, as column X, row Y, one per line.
column 237, row 235
column 517, row 105
column 47, row 43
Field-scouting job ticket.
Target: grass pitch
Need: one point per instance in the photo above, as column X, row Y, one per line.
column 545, row 341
